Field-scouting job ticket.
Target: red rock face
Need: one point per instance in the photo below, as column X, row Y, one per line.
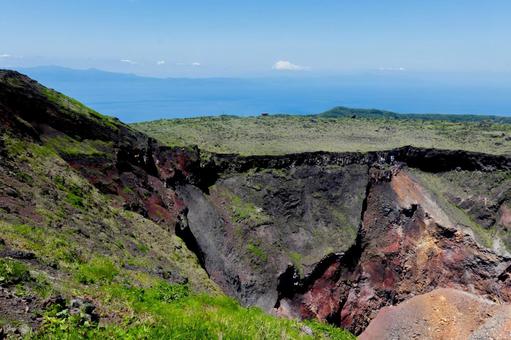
column 143, row 183
column 406, row 247
column 505, row 217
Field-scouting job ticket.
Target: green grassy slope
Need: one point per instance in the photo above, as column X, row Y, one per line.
column 289, row 134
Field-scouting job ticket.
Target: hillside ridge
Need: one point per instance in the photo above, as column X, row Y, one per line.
column 349, row 112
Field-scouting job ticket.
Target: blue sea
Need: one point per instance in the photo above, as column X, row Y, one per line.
column 132, row 98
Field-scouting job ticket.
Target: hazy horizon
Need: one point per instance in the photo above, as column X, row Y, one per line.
column 224, row 38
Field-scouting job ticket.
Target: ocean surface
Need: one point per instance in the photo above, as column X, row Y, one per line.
column 132, row 98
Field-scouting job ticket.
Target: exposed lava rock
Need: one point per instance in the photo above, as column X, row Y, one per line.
column 408, row 247
column 252, row 225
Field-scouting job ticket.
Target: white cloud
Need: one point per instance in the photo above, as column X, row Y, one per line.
column 195, row 64
column 128, row 61
column 284, row 65
column 392, row 69
column 5, row 55
column 160, row 62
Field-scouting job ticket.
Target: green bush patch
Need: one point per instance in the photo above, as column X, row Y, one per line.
column 13, row 272
column 257, row 252
column 98, row 270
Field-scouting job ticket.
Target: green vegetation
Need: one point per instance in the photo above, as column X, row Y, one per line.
column 16, row 274
column 242, row 211
column 50, row 247
column 296, row 260
column 342, row 111
column 14, row 146
column 441, row 187
column 145, row 306
column 61, row 144
column 256, row 251
column 68, row 146
column 348, row 229
column 173, row 312
column 98, row 270
column 73, row 106
column 75, row 194
column 12, row 272
column 275, row 135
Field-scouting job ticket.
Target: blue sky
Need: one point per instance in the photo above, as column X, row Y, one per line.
column 240, row 38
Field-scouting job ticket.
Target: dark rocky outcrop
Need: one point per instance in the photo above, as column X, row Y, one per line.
column 407, row 246
column 251, row 226
column 431, row 160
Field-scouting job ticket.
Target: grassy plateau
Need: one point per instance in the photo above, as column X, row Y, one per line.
column 274, row 135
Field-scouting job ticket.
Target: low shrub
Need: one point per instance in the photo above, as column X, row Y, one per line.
column 13, row 272
column 98, row 270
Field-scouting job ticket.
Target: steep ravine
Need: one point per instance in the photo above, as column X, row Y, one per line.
column 405, row 244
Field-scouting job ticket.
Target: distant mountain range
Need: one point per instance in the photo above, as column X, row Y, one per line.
column 134, row 98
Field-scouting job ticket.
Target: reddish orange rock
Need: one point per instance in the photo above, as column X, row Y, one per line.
column 444, row 313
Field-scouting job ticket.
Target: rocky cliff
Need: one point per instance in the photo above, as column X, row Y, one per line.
column 346, row 234
column 328, row 236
